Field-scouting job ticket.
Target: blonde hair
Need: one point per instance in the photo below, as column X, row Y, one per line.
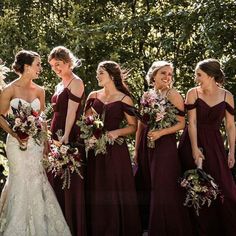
column 64, row 54
column 156, row 65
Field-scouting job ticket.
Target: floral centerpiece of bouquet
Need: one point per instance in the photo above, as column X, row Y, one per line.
column 94, row 135
column 201, row 189
column 157, row 112
column 26, row 122
column 63, row 160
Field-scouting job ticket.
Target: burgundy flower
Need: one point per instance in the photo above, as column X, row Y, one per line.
column 1, row 168
column 97, row 133
column 145, row 118
column 22, row 135
column 35, row 113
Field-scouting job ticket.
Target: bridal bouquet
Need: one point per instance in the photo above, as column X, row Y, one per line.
column 94, row 135
column 63, row 160
column 201, row 189
column 157, row 112
column 26, row 122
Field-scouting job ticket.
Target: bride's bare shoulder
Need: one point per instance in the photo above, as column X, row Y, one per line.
column 8, row 90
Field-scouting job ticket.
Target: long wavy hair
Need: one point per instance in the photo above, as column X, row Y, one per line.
column 117, row 75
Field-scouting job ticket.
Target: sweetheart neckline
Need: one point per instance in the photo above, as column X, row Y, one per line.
column 25, row 100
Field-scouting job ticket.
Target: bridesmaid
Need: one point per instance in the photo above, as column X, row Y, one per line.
column 67, row 104
column 208, row 104
column 111, row 200
column 159, row 167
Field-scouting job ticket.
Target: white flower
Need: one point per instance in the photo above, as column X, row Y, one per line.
column 90, row 143
column 76, row 151
column 64, row 149
column 18, row 122
column 31, row 119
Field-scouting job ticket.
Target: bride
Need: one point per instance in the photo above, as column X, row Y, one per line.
column 28, row 205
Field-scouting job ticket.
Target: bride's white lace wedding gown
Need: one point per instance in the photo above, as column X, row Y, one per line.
column 28, row 206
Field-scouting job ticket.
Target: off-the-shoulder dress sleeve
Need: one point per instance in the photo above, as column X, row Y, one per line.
column 230, row 109
column 130, row 110
column 74, row 97
column 180, row 113
column 190, row 106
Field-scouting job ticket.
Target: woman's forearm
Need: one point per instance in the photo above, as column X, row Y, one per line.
column 173, row 129
column 130, row 129
column 4, row 125
column 230, row 130
column 70, row 120
column 138, row 134
column 192, row 129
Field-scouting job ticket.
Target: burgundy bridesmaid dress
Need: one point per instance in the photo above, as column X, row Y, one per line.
column 71, row 200
column 219, row 218
column 159, row 194
column 111, row 196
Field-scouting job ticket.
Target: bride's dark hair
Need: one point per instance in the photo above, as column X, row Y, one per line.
column 117, row 75
column 23, row 57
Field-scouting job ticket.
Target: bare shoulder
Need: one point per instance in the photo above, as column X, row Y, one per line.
column 175, row 98
column 229, row 98
column 78, row 82
column 191, row 96
column 192, row 92
column 173, row 94
column 127, row 100
column 77, row 87
column 8, row 90
column 94, row 94
column 40, row 89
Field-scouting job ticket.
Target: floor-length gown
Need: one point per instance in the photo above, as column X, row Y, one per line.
column 28, row 205
column 219, row 218
column 111, row 196
column 71, row 200
column 157, row 181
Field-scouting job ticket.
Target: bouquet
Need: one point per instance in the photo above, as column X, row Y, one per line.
column 63, row 160
column 26, row 122
column 157, row 112
column 3, row 72
column 94, row 135
column 201, row 189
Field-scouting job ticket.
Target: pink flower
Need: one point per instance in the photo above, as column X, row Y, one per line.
column 160, row 116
